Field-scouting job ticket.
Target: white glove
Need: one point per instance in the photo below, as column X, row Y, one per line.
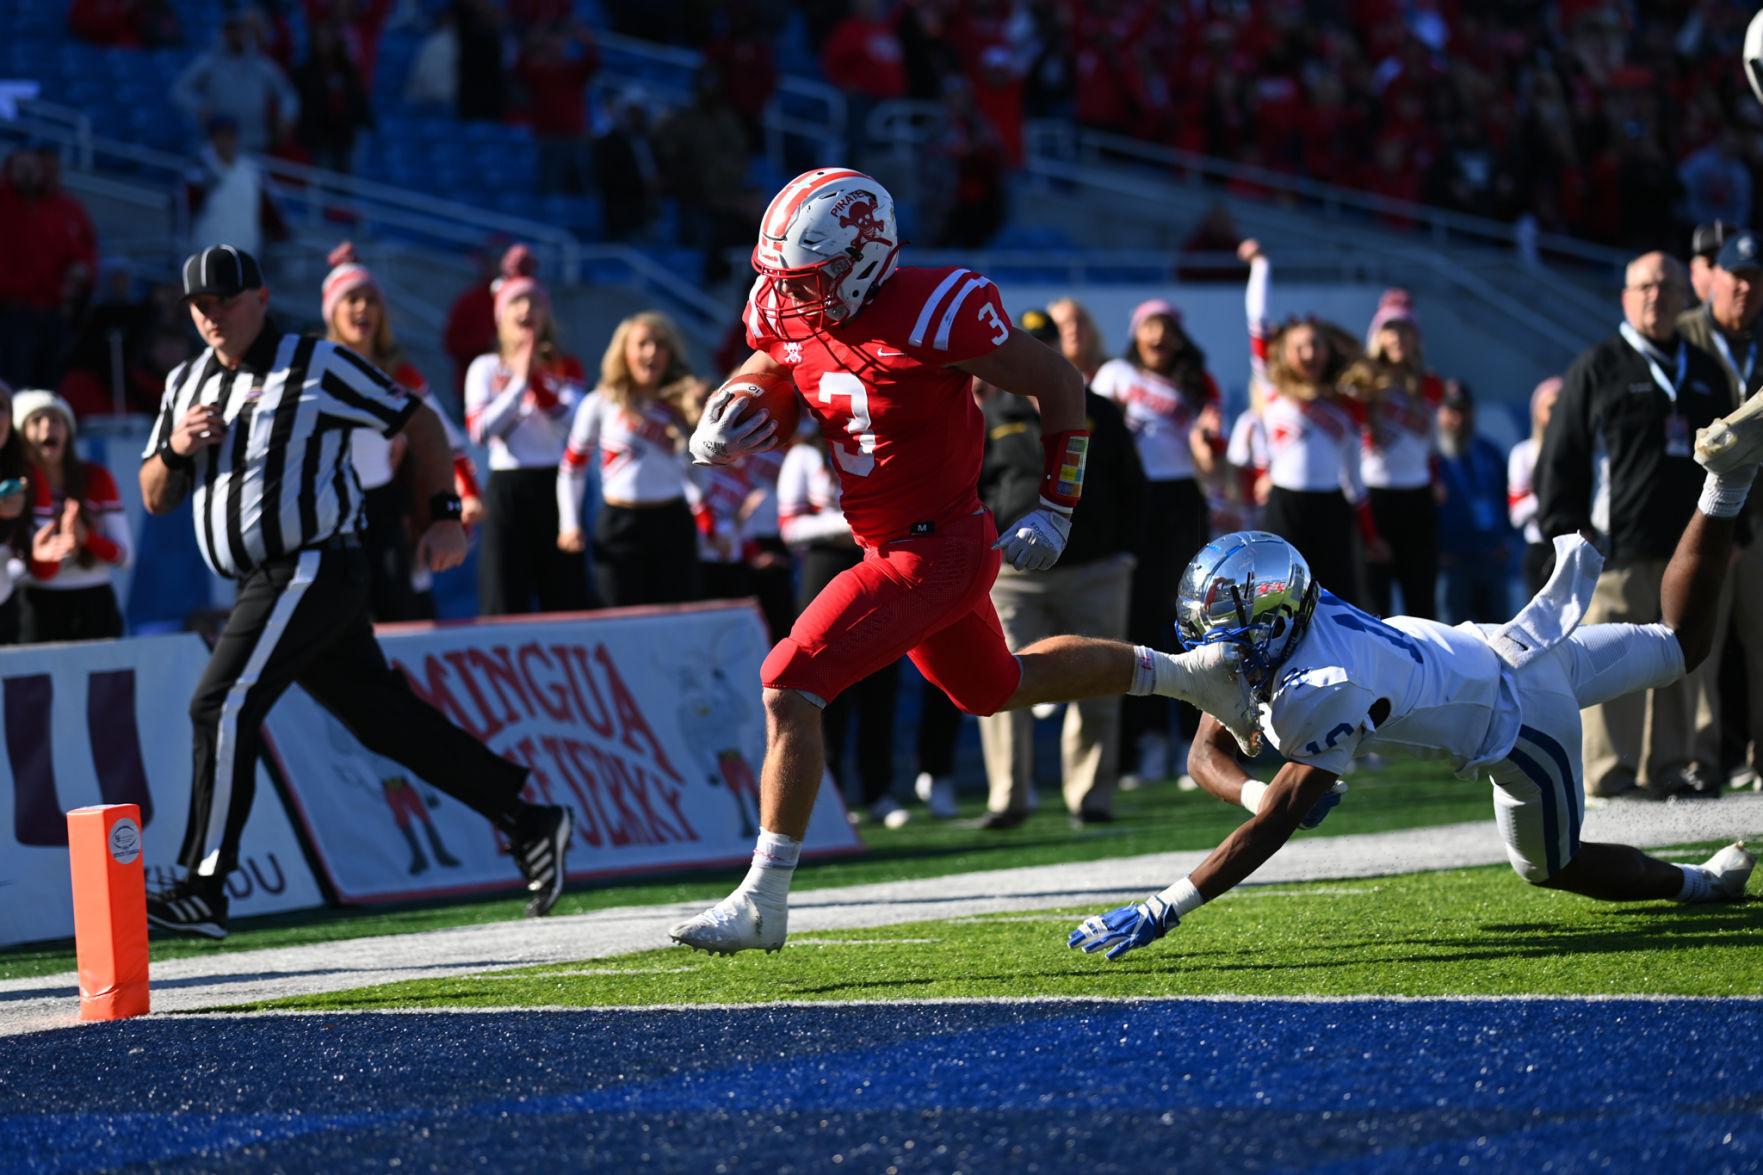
column 731, row 427
column 1037, row 539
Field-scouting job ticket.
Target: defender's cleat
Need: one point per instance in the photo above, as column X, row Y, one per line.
column 1733, row 442
column 743, row 921
column 540, row 838
column 1729, row 870
column 190, row 907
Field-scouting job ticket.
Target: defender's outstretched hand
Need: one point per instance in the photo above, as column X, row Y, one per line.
column 1125, row 929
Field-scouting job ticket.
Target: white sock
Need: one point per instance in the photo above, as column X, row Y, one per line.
column 1254, row 791
column 1182, row 897
column 1698, row 886
column 774, row 864
column 1723, row 494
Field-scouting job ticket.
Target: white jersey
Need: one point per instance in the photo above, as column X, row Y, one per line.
column 1401, row 687
column 1159, row 416
column 639, row 449
column 1521, row 495
column 1399, row 439
column 1312, row 445
column 521, row 430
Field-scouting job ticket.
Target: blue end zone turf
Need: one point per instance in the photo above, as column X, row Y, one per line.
column 1044, row 1085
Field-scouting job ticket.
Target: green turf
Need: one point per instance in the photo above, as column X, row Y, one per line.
column 1151, row 820
column 1459, row 932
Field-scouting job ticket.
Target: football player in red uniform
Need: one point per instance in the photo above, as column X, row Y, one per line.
column 885, row 357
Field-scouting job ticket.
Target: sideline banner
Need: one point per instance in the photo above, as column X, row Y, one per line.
column 106, row 722
column 647, row 723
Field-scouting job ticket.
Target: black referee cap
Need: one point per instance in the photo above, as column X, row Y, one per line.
column 221, row 270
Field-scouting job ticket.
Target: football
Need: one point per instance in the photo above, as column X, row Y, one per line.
column 776, row 393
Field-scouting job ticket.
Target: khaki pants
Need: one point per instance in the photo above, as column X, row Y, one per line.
column 1646, row 738
column 1089, row 599
column 1741, row 606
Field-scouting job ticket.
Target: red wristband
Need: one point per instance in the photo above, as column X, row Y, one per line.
column 1062, row 468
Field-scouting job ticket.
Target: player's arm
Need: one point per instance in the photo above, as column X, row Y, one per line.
column 1212, row 761
column 1025, row 366
column 728, row 429
column 1294, row 791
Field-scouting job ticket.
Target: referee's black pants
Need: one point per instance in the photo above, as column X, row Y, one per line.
column 303, row 619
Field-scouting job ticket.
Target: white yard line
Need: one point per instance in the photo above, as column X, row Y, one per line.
column 239, row 977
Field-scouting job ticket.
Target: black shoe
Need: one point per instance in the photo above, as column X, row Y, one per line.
column 1001, row 821
column 1085, row 817
column 192, row 906
column 1697, row 785
column 541, row 835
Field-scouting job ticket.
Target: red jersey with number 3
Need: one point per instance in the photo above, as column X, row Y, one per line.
column 902, row 427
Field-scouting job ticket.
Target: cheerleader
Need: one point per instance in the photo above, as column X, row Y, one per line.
column 519, row 401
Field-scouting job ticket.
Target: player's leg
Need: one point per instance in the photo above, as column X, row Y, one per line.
column 867, row 617
column 1539, row 805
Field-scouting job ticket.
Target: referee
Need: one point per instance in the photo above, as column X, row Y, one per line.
column 257, row 426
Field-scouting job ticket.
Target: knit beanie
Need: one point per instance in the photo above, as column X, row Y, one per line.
column 517, row 280
column 1396, row 305
column 347, row 274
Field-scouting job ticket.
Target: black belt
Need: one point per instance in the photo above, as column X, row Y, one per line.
column 337, row 542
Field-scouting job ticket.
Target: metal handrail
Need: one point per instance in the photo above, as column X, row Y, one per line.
column 1092, row 148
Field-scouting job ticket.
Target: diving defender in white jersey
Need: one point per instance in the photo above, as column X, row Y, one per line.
column 1324, row 682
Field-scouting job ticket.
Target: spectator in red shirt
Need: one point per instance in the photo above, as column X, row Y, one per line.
column 126, row 24
column 50, row 254
column 555, row 68
column 333, row 100
column 471, row 322
column 358, row 25
column 864, row 58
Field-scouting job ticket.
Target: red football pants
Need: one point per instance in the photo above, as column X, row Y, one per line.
column 927, row 598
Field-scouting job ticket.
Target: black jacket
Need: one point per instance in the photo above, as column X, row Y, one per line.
column 1612, row 411
column 1110, row 517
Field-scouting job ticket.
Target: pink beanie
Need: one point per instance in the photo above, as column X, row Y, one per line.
column 517, row 280
column 1396, row 305
column 1154, row 306
column 346, row 274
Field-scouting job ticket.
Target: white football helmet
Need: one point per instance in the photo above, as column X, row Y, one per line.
column 1252, row 589
column 827, row 240
column 1754, row 55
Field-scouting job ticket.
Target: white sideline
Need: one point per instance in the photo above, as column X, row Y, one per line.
column 232, row 978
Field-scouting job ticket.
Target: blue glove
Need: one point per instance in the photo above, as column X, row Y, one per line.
column 1320, row 810
column 1126, row 928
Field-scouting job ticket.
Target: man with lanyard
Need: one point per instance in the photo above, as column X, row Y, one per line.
column 255, row 430
column 1616, row 466
column 1725, row 326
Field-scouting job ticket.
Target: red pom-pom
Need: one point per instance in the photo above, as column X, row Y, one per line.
column 1396, row 298
column 343, row 254
column 519, row 262
column 776, row 393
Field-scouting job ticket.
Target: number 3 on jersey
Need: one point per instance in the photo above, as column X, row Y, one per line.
column 857, row 459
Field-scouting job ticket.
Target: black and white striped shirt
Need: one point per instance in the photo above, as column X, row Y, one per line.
column 281, row 480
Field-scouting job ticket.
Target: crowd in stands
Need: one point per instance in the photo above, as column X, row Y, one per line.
column 1578, row 116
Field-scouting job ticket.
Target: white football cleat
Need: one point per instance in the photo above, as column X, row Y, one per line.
column 1733, row 442
column 1730, row 870
column 1213, row 680
column 743, row 921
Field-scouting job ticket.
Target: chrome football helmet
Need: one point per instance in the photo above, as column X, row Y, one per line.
column 1250, row 588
